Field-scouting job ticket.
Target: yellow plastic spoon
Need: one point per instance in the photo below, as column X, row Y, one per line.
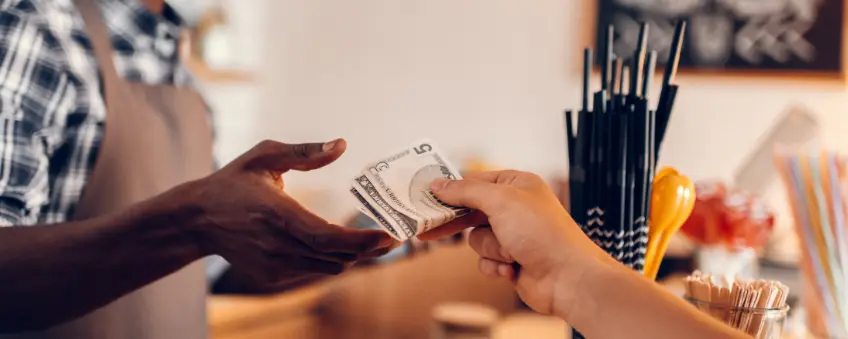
column 672, row 201
column 664, row 172
column 656, row 219
column 671, row 206
column 652, row 223
column 682, row 215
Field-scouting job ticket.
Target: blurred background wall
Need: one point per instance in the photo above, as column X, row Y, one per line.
column 487, row 78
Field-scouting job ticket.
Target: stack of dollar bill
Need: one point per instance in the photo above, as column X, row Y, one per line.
column 395, row 191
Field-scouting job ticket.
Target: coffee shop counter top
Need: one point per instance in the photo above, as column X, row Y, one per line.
column 385, row 301
column 393, row 300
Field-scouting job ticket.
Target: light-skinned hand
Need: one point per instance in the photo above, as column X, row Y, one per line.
column 522, row 233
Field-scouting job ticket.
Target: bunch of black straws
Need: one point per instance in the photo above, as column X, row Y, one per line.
column 613, row 155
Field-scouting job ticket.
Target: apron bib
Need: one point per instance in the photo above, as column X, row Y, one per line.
column 155, row 138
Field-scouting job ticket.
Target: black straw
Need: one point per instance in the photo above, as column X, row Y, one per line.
column 587, row 69
column 650, row 68
column 614, row 88
column 674, row 54
column 668, row 91
column 613, row 154
column 625, row 74
column 606, row 67
column 569, row 134
column 639, row 60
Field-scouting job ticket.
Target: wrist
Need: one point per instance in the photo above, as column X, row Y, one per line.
column 577, row 280
column 177, row 213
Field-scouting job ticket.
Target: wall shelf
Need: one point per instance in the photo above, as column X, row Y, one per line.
column 191, row 47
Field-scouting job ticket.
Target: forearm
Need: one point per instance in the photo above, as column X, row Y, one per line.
column 53, row 273
column 615, row 302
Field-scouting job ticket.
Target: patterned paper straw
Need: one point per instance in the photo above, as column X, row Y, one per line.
column 836, row 275
column 838, row 212
column 783, row 165
column 791, row 171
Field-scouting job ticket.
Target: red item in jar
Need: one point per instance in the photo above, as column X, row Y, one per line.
column 729, row 217
column 703, row 224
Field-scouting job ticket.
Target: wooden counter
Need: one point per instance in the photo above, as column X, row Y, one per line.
column 389, row 301
column 393, row 301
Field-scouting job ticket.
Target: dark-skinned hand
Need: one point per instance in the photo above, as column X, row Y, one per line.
column 243, row 214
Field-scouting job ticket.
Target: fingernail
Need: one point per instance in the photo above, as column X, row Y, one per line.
column 330, row 145
column 438, row 184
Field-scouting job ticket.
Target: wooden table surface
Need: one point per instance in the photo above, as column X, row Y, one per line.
column 389, row 301
column 392, row 301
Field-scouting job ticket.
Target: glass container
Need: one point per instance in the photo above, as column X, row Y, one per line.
column 760, row 323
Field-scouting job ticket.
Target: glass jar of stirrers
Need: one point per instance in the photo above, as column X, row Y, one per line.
column 760, row 323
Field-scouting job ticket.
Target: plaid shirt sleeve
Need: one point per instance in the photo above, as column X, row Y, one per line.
column 35, row 95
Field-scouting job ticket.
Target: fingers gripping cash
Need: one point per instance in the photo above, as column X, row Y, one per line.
column 395, row 191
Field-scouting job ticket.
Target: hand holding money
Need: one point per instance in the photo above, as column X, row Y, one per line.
column 395, row 191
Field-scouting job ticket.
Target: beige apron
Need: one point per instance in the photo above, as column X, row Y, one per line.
column 155, row 137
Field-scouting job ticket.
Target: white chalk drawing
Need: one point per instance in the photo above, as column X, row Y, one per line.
column 771, row 30
column 665, row 7
column 711, row 36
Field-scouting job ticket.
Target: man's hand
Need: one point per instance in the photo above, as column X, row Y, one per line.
column 243, row 214
column 526, row 235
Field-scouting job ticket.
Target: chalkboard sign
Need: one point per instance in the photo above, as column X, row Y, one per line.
column 771, row 35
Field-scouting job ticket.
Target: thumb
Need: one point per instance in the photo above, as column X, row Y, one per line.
column 476, row 194
column 280, row 157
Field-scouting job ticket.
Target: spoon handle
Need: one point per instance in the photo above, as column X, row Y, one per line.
column 651, row 253
column 665, row 238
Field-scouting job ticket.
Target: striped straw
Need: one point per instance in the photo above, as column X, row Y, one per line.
column 838, row 211
column 802, row 198
column 827, row 234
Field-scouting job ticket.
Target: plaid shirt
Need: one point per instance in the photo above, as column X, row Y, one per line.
column 51, row 108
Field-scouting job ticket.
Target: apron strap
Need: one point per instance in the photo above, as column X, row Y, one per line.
column 98, row 34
